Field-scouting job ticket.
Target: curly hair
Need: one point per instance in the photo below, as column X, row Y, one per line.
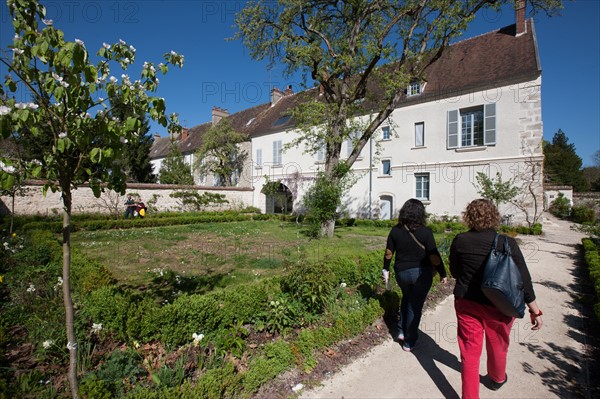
column 482, row 214
column 412, row 214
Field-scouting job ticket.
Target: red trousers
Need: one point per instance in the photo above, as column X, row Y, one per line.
column 474, row 321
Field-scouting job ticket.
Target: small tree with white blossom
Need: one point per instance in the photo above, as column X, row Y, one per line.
column 68, row 116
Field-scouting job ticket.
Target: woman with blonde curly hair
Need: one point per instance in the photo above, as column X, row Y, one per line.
column 476, row 315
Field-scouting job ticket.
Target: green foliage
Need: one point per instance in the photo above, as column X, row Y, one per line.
column 496, row 190
column 220, row 154
column 583, row 214
column 592, row 259
column 311, row 284
column 232, row 340
column 110, row 306
column 277, row 358
column 173, row 169
column 562, row 165
column 322, row 201
column 197, row 202
column 282, row 314
column 120, row 371
column 560, row 207
column 169, row 377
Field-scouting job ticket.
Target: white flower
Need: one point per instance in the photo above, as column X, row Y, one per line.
column 47, row 22
column 71, row 346
column 32, row 105
column 132, row 48
column 57, row 77
column 17, row 51
column 173, row 53
column 4, row 110
column 31, row 288
column 197, row 338
column 62, row 135
column 64, row 84
column 113, row 79
column 106, row 46
column 127, row 60
column 58, row 284
column 100, row 99
column 297, row 387
column 20, row 105
column 122, row 41
column 96, row 328
column 47, row 344
column 78, row 41
column 343, row 285
column 17, row 37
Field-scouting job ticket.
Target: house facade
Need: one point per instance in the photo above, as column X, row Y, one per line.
column 478, row 110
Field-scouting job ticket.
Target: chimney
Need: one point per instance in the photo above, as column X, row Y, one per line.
column 520, row 8
column 218, row 114
column 276, row 95
column 288, row 91
column 184, row 134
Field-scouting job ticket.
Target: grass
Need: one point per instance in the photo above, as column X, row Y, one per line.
column 217, row 254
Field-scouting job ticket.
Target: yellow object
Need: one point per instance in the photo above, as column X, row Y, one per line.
column 142, row 212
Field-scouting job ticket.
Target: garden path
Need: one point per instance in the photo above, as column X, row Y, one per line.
column 541, row 364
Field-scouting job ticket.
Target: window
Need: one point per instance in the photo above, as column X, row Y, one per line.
column 386, row 133
column 422, row 187
column 472, row 127
column 414, row 88
column 419, row 134
column 258, row 160
column 282, row 121
column 351, row 141
column 321, row 153
column 277, row 152
column 386, row 167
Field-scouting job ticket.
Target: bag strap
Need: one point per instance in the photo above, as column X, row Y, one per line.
column 506, row 247
column 415, row 238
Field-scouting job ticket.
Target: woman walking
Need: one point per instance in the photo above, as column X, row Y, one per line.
column 476, row 315
column 416, row 258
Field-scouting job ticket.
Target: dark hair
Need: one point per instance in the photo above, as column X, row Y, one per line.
column 482, row 214
column 412, row 214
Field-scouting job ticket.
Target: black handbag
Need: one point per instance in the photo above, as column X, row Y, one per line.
column 502, row 283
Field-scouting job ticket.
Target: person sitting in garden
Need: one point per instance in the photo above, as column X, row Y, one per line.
column 129, row 207
column 140, row 208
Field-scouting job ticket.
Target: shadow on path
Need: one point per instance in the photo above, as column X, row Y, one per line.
column 429, row 353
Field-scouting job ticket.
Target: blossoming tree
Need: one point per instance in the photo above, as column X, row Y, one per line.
column 69, row 120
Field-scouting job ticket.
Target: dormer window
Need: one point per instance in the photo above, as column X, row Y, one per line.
column 414, row 88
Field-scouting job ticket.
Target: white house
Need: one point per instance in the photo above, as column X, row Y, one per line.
column 479, row 110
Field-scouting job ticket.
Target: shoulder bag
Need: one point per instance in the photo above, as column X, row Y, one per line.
column 502, row 283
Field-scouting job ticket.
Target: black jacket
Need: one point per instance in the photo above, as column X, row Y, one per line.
column 468, row 254
column 408, row 253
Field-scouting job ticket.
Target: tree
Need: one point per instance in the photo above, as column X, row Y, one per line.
column 592, row 173
column 356, row 52
column 496, row 190
column 136, row 155
column 220, row 153
column 173, row 169
column 562, row 165
column 77, row 148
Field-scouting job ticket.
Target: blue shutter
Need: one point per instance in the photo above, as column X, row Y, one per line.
column 489, row 124
column 453, row 129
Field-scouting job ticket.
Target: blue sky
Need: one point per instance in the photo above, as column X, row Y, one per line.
column 220, row 72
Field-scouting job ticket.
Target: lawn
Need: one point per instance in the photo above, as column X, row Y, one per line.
column 219, row 254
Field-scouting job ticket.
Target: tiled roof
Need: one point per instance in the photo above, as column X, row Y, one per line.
column 494, row 59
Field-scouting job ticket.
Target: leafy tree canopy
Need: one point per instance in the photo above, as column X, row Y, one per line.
column 220, row 153
column 174, row 170
column 562, row 165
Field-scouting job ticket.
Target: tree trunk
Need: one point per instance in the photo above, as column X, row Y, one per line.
column 327, row 228
column 12, row 213
column 69, row 313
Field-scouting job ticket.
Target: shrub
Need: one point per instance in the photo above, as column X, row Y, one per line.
column 311, row 284
column 110, row 306
column 561, row 206
column 344, row 269
column 583, row 214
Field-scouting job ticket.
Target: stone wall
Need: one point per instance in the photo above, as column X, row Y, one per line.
column 111, row 202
